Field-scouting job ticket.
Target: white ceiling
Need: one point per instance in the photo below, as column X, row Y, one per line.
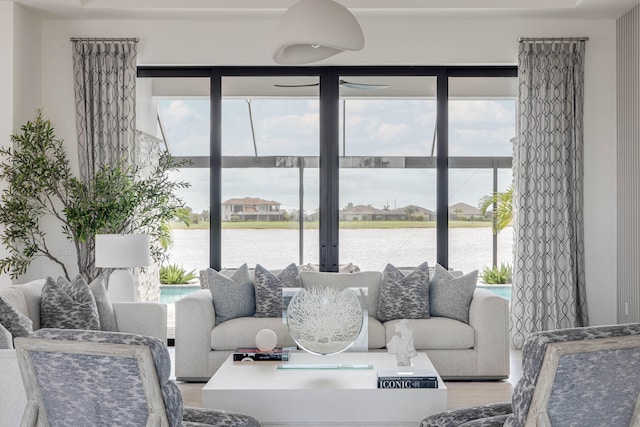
column 202, row 9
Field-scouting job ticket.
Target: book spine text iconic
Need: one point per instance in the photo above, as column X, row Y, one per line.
column 407, row 383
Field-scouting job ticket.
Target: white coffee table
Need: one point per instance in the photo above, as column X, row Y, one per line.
column 322, row 397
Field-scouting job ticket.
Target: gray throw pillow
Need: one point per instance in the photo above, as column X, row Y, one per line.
column 14, row 321
column 232, row 296
column 404, row 297
column 103, row 303
column 451, row 296
column 6, row 340
column 269, row 289
column 67, row 305
column 17, row 323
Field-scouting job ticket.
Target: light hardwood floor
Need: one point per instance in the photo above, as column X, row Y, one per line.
column 460, row 393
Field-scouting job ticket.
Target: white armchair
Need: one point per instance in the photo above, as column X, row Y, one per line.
column 149, row 319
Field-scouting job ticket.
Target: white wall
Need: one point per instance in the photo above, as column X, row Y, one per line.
column 6, row 92
column 27, row 66
column 391, row 40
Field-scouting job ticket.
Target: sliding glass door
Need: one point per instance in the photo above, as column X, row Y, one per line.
column 331, row 166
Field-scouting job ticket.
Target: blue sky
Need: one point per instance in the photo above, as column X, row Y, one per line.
column 374, row 127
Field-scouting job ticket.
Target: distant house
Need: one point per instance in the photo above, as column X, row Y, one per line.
column 369, row 213
column 313, row 216
column 251, row 209
column 410, row 212
column 361, row 213
column 464, row 212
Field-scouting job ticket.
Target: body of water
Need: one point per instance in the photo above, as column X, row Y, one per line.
column 369, row 249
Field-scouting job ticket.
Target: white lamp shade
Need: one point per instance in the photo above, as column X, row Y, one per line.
column 312, row 30
column 122, row 250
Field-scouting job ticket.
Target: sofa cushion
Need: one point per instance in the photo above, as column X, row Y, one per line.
column 376, row 334
column 14, row 320
column 342, row 268
column 232, row 296
column 436, row 333
column 451, row 296
column 68, row 305
column 269, row 289
column 241, row 332
column 404, row 297
column 103, row 304
column 364, row 279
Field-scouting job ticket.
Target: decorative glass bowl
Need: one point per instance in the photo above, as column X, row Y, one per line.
column 324, row 320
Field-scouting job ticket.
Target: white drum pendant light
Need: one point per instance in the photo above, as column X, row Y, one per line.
column 312, row 30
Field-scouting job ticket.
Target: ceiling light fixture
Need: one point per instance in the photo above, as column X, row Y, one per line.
column 312, row 30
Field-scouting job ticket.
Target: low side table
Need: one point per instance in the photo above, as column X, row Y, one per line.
column 322, row 397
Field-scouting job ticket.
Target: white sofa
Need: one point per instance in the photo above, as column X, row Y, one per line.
column 478, row 350
column 138, row 318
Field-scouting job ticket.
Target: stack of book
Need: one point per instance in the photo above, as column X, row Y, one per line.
column 419, row 378
column 254, row 354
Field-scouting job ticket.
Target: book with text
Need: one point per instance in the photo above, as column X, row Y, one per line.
column 254, row 354
column 415, row 379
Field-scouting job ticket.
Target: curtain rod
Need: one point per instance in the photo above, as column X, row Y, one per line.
column 551, row 39
column 102, row 39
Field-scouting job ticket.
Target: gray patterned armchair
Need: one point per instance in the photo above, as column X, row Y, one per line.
column 96, row 378
column 571, row 377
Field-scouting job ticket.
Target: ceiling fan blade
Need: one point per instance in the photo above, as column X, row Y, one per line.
column 304, row 85
column 364, row 86
column 343, row 83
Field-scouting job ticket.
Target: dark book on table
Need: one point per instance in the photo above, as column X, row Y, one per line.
column 420, row 378
column 252, row 353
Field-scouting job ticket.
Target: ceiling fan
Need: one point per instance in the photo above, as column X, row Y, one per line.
column 343, row 83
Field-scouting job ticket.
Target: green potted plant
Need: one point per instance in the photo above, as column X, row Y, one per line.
column 174, row 274
column 175, row 282
column 40, row 188
column 504, row 208
column 497, row 279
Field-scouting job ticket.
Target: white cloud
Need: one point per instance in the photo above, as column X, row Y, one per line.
column 177, row 113
column 472, row 112
column 391, row 131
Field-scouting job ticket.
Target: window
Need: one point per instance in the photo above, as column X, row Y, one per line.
column 387, row 171
column 326, row 165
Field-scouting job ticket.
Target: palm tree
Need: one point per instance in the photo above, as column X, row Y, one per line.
column 504, row 210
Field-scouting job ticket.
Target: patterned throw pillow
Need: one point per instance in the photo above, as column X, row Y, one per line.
column 103, row 303
column 18, row 324
column 6, row 340
column 451, row 296
column 67, row 305
column 232, row 296
column 404, row 297
column 269, row 289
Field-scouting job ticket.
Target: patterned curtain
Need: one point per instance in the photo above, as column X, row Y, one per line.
column 548, row 276
column 105, row 93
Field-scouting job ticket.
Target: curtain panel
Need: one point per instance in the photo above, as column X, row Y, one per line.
column 105, row 95
column 548, row 274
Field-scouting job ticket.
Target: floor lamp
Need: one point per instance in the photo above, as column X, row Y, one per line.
column 122, row 252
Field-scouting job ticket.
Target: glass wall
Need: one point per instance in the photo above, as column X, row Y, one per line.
column 183, row 112
column 482, row 125
column 270, row 181
column 387, row 171
column 335, row 165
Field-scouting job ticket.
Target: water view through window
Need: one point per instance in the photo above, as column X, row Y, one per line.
column 270, row 203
